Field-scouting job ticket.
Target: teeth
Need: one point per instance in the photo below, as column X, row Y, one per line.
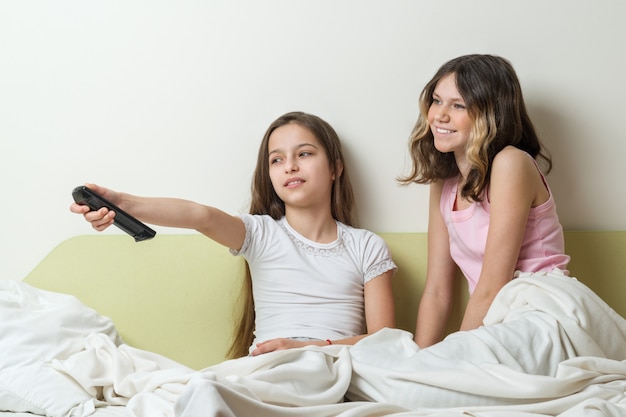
column 439, row 130
column 293, row 182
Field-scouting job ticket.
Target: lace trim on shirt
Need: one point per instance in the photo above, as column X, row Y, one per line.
column 246, row 240
column 336, row 250
column 381, row 268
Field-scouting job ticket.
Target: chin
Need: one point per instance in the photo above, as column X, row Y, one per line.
column 442, row 148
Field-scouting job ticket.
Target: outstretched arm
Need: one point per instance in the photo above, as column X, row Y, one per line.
column 171, row 212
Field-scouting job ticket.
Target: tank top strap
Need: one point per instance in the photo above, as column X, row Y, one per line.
column 543, row 177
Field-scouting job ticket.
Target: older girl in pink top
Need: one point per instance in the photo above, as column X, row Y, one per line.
column 491, row 210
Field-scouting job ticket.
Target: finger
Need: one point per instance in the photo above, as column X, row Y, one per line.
column 104, row 192
column 78, row 208
column 100, row 219
column 97, row 215
column 94, row 187
column 102, row 224
column 266, row 347
column 259, row 351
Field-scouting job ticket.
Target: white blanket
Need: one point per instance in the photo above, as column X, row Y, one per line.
column 549, row 346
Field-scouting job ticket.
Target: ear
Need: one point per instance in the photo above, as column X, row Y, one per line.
column 338, row 170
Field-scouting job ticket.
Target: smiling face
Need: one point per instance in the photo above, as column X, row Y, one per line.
column 299, row 168
column 448, row 118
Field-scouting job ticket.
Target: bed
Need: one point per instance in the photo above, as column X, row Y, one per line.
column 104, row 326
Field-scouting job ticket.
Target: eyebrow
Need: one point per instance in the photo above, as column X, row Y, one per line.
column 301, row 145
column 455, row 99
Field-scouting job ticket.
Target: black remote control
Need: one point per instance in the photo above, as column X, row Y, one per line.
column 85, row 196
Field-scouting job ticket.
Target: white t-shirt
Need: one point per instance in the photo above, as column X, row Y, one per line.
column 306, row 289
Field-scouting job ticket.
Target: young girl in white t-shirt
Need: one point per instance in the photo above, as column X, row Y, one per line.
column 315, row 279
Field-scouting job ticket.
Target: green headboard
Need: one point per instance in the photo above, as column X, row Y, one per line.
column 176, row 294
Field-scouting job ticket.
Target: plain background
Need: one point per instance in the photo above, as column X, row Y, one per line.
column 172, row 98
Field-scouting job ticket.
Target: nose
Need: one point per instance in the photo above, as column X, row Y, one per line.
column 441, row 114
column 291, row 165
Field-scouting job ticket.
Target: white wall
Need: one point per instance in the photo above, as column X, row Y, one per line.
column 172, row 98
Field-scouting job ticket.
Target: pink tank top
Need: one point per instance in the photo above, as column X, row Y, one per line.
column 543, row 247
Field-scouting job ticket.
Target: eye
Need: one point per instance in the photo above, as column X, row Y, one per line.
column 305, row 153
column 436, row 101
column 275, row 160
column 460, row 106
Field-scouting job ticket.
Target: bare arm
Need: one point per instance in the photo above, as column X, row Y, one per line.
column 438, row 296
column 515, row 187
column 219, row 226
column 379, row 303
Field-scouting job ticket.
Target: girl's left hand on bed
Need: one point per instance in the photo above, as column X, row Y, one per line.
column 278, row 344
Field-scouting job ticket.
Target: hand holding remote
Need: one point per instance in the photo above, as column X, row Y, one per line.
column 139, row 231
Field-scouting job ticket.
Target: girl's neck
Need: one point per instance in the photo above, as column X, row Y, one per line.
column 463, row 165
column 461, row 203
column 313, row 226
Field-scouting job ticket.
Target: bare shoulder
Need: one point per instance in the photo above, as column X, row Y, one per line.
column 512, row 159
column 514, row 169
column 436, row 186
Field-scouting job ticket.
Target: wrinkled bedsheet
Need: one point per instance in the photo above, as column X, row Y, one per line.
column 549, row 346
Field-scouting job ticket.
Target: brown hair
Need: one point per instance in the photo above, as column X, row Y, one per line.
column 494, row 101
column 266, row 201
